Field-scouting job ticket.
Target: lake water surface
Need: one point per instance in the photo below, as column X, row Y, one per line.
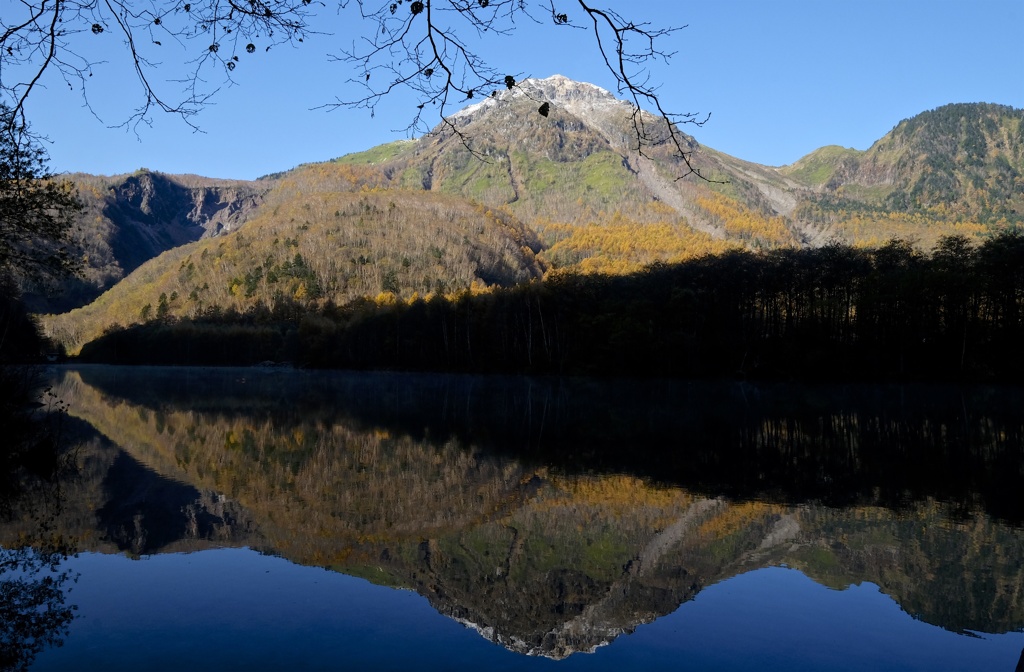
column 273, row 519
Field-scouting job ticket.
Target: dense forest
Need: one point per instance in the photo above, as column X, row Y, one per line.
column 956, row 162
column 838, row 312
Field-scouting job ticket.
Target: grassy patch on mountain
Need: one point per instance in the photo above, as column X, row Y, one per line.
column 377, row 155
column 818, row 167
column 599, row 182
column 484, row 179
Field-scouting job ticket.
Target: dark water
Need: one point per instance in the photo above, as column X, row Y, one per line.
column 269, row 519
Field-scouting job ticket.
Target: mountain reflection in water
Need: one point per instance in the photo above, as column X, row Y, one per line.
column 553, row 516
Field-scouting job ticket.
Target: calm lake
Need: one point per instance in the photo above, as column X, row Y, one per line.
column 270, row 519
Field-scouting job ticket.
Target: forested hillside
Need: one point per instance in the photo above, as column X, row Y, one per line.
column 958, row 168
column 312, row 243
column 506, row 195
column 833, row 313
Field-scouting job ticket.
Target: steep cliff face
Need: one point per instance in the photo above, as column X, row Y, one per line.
column 186, row 202
column 129, row 219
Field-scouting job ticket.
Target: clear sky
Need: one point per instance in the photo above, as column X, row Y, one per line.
column 779, row 77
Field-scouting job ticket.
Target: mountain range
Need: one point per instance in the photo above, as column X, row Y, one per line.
column 503, row 195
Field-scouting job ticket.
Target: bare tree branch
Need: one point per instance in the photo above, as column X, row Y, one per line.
column 414, row 45
column 629, row 69
column 215, row 34
column 427, row 47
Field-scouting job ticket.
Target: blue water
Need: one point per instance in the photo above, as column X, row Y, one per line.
column 236, row 609
column 541, row 541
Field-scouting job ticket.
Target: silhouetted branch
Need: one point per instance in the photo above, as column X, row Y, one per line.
column 53, row 37
column 614, row 35
column 424, row 46
column 413, row 46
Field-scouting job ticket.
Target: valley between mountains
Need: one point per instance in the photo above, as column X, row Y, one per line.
column 515, row 198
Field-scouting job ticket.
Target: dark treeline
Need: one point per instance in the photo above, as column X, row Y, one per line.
column 20, row 341
column 835, row 312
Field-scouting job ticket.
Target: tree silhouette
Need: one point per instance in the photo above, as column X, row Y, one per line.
column 34, row 612
column 890, row 313
column 429, row 47
column 37, row 213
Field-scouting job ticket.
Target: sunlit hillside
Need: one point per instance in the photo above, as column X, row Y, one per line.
column 957, row 169
column 506, row 195
column 310, row 244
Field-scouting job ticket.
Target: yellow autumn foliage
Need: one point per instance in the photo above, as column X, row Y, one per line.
column 621, row 245
column 740, row 222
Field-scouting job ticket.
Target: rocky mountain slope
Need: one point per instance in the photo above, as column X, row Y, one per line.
column 129, row 219
column 505, row 194
column 579, row 163
column 961, row 164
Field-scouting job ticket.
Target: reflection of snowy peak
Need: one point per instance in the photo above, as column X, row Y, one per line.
column 555, row 612
column 558, row 644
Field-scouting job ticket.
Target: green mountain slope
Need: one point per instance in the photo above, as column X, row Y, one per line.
column 577, row 163
column 956, row 169
column 312, row 242
column 960, row 164
column 503, row 193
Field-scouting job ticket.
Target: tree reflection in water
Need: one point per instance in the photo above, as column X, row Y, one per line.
column 552, row 516
column 34, row 612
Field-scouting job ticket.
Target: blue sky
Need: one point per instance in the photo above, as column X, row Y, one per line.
column 779, row 77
